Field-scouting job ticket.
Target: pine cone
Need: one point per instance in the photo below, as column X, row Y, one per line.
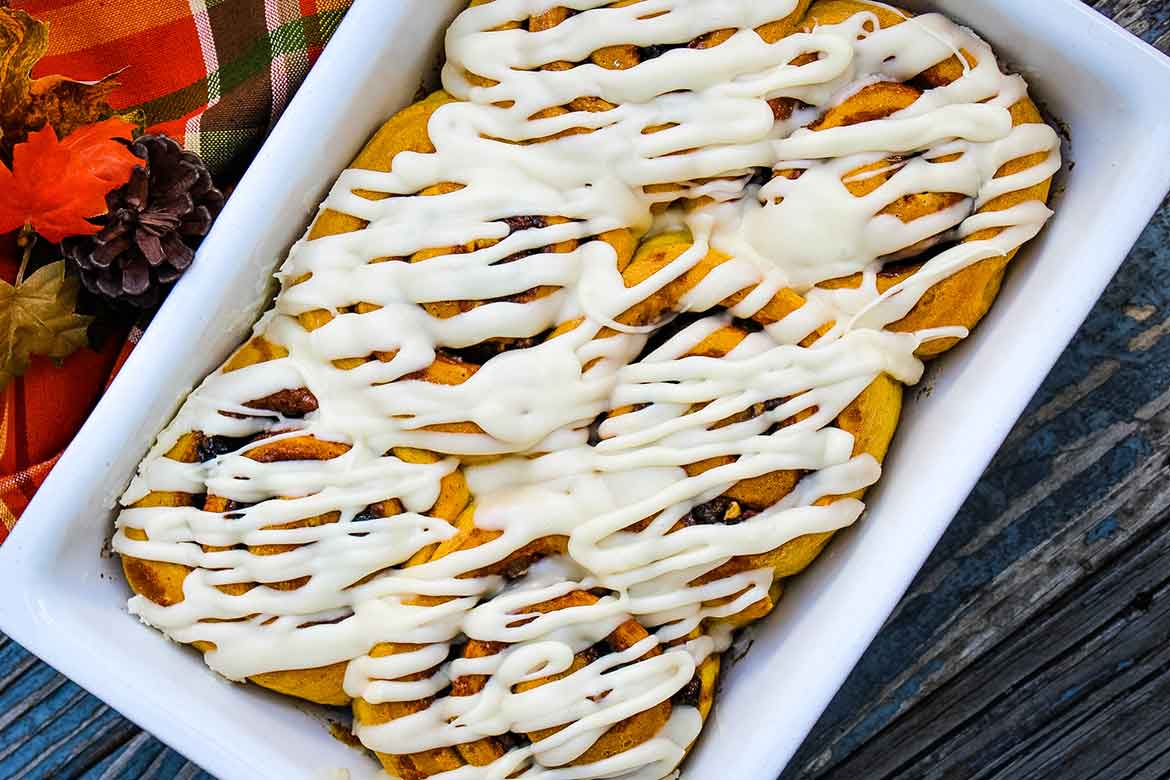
column 155, row 223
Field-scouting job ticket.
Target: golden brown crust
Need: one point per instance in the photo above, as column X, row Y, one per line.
column 622, row 736
column 657, row 253
column 964, row 298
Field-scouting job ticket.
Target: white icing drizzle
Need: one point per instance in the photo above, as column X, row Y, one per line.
column 545, row 477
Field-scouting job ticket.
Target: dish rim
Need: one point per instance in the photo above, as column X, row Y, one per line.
column 25, row 612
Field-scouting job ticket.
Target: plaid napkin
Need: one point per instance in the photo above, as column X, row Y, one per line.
column 213, row 74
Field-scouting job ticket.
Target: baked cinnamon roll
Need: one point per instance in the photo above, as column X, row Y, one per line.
column 582, row 358
column 1022, row 166
column 556, row 719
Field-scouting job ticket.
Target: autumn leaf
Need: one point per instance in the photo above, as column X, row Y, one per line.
column 55, row 185
column 38, row 317
column 27, row 104
column 94, row 147
column 23, row 41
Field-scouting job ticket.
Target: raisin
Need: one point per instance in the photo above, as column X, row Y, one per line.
column 716, row 511
column 711, row 512
column 658, row 49
column 525, row 223
column 211, row 447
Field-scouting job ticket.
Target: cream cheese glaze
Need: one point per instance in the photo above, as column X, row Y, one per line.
column 535, row 407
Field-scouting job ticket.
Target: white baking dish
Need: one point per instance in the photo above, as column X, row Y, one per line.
column 63, row 596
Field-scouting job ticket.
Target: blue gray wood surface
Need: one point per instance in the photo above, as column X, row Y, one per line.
column 1034, row 644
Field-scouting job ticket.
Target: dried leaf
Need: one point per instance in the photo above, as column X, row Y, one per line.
column 67, row 104
column 27, row 105
column 56, row 186
column 38, row 317
column 23, row 41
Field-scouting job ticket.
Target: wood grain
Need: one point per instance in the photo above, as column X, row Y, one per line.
column 1039, row 629
column 1034, row 644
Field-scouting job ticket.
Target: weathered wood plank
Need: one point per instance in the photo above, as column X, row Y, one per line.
column 133, row 751
column 1058, row 687
column 1148, row 19
column 1096, row 439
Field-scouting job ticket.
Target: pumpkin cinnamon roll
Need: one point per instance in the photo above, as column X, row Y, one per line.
column 584, row 356
column 555, row 697
column 947, row 211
